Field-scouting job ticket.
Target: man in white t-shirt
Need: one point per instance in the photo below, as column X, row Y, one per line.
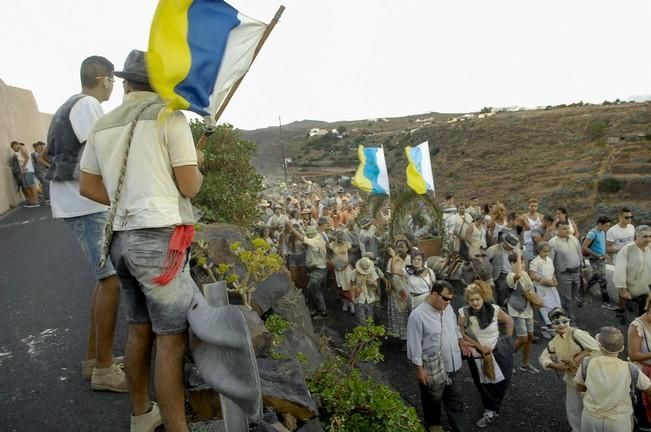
column 621, row 234
column 66, row 137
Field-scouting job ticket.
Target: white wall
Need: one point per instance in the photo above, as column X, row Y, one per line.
column 20, row 120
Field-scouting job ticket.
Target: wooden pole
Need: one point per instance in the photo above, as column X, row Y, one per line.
column 265, row 35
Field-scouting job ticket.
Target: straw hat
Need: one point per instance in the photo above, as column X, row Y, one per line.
column 364, row 266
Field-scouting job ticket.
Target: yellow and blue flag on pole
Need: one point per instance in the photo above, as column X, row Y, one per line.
column 372, row 175
column 198, row 49
column 419, row 170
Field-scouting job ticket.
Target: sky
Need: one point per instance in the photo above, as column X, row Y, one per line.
column 336, row 60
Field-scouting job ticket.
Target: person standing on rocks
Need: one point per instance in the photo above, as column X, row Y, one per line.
column 153, row 227
column 317, row 271
column 69, row 130
column 433, row 336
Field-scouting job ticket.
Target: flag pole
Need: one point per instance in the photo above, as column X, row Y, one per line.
column 265, row 35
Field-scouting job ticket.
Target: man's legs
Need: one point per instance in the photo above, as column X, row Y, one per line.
column 453, row 401
column 170, row 351
column 567, row 285
column 431, row 407
column 314, row 289
column 137, row 357
column 106, row 309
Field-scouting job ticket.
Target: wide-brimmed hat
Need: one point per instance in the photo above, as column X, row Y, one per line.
column 135, row 68
column 510, row 239
column 263, row 203
column 277, row 206
column 364, row 266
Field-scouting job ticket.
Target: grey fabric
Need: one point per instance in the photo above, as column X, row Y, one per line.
column 135, row 68
column 568, row 286
column 222, row 350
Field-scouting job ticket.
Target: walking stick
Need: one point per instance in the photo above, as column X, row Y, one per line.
column 209, row 128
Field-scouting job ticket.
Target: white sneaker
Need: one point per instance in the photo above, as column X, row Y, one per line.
column 148, row 422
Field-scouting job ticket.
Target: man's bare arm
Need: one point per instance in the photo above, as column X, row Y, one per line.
column 92, row 187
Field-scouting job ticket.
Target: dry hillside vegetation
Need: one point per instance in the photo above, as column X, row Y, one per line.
column 591, row 159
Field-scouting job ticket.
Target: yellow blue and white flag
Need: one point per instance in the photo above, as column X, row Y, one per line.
column 198, row 49
column 372, row 175
column 419, row 170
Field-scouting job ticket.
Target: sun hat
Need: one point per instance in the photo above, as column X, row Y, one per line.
column 510, row 240
column 364, row 266
column 135, row 68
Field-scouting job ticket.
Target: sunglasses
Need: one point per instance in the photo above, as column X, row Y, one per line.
column 628, row 217
column 446, row 299
column 558, row 322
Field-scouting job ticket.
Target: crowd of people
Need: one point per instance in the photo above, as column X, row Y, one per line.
column 29, row 169
column 537, row 263
column 542, row 269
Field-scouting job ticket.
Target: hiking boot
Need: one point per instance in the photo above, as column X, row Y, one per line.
column 87, row 366
column 528, row 368
column 147, row 422
column 486, row 419
column 609, row 306
column 109, row 379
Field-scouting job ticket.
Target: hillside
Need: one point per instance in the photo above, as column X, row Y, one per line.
column 591, row 159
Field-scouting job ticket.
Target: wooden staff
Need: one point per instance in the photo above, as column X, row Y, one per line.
column 204, row 136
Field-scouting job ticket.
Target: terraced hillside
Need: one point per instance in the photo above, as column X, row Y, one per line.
column 591, row 159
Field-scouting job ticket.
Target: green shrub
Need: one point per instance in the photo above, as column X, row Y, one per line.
column 596, row 129
column 609, row 185
column 353, row 403
column 231, row 187
column 277, row 326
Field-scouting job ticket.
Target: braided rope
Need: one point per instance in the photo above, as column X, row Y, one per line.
column 108, row 228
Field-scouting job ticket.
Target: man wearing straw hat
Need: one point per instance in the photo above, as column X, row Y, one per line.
column 146, row 167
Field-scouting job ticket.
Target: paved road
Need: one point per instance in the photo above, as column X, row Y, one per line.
column 45, row 286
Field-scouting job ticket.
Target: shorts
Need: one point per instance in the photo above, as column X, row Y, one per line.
column 296, row 260
column 139, row 256
column 29, row 179
column 523, row 326
column 89, row 230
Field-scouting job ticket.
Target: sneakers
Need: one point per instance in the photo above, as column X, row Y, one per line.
column 486, row 419
column 87, row 366
column 609, row 306
column 529, row 369
column 147, row 422
column 109, row 379
column 28, row 205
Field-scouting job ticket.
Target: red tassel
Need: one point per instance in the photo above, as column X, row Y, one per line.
column 179, row 243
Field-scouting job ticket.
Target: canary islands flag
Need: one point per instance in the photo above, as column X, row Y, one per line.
column 372, row 175
column 419, row 170
column 198, row 49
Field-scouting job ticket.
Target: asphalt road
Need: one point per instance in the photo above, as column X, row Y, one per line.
column 45, row 287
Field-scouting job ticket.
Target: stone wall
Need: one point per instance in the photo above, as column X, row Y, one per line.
column 20, row 120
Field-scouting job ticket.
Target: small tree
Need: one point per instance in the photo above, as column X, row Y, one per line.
column 231, row 187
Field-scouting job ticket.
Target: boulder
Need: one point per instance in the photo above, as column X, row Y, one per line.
column 260, row 336
column 312, row 426
column 295, row 342
column 270, row 290
column 219, row 238
column 284, row 388
column 292, row 307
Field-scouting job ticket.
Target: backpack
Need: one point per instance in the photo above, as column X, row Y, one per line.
column 16, row 171
column 634, row 371
column 581, row 240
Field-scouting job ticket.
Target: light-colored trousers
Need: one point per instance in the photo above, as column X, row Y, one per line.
column 573, row 407
column 596, row 424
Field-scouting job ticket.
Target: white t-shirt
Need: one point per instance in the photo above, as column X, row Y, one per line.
column 620, row 237
column 65, row 200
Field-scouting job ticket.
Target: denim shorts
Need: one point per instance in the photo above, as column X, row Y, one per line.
column 89, row 230
column 29, row 179
column 139, row 256
column 523, row 326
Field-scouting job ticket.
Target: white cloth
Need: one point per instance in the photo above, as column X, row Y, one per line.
column 488, row 337
column 65, row 200
column 620, row 237
column 29, row 167
column 633, row 269
column 526, row 235
column 420, row 286
column 544, row 268
column 430, row 331
column 150, row 197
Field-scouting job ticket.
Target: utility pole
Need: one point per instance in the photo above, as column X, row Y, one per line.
column 282, row 148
